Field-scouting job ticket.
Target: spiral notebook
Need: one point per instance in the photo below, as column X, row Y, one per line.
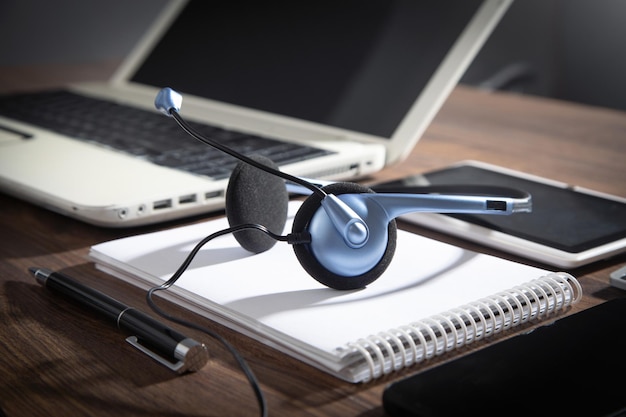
column 433, row 298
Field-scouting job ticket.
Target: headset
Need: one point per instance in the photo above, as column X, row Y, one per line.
column 344, row 234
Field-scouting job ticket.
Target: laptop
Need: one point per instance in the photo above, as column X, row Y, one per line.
column 339, row 90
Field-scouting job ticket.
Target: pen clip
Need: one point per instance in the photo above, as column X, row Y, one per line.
column 177, row 367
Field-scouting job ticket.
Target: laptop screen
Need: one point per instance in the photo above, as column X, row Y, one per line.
column 356, row 65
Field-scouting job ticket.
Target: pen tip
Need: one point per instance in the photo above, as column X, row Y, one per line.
column 41, row 274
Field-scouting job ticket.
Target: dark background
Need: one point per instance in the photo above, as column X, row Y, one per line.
column 565, row 49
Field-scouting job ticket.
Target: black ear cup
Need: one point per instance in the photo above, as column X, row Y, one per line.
column 257, row 197
column 312, row 265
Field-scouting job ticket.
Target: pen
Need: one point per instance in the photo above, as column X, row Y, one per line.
column 163, row 344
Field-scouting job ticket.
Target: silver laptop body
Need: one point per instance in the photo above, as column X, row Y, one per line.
column 359, row 81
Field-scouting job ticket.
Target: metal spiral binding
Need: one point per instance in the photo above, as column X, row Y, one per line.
column 401, row 347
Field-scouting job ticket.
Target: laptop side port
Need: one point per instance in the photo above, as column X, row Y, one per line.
column 186, row 199
column 162, row 204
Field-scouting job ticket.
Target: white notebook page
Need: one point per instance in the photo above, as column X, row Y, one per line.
column 271, row 292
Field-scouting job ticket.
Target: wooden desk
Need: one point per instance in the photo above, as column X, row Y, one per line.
column 57, row 359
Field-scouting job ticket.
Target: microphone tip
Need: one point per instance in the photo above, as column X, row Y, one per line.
column 168, row 100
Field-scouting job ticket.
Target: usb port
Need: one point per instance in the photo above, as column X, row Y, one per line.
column 212, row 194
column 185, row 199
column 162, row 204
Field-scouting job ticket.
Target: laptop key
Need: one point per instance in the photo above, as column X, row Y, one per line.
column 143, row 133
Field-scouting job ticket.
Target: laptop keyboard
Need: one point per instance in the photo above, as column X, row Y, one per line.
column 145, row 134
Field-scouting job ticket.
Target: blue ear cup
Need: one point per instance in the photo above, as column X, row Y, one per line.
column 257, row 197
column 327, row 258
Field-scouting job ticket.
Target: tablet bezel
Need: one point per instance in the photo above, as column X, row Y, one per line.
column 514, row 244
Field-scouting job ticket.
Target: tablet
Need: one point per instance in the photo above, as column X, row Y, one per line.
column 568, row 227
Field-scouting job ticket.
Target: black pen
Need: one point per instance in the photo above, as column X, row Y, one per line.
column 148, row 335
